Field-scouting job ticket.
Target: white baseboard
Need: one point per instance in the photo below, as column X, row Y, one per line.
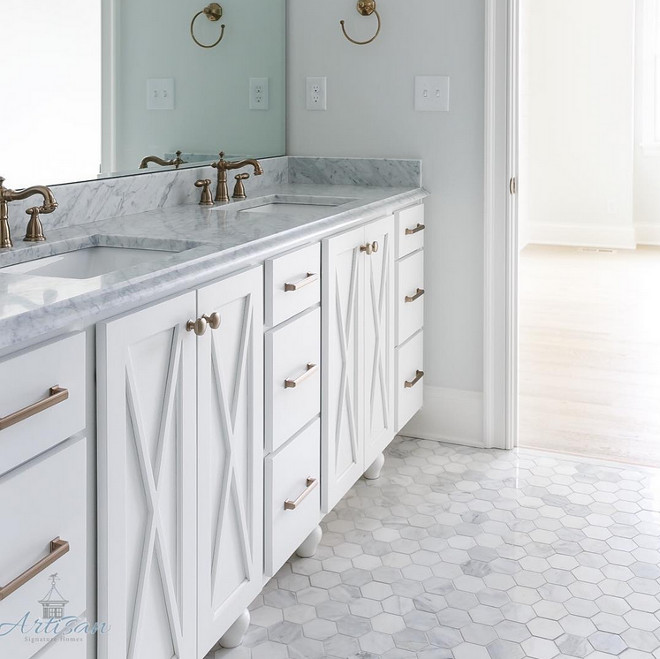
column 449, row 415
column 647, row 234
column 581, row 236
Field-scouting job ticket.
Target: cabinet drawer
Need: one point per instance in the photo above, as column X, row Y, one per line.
column 410, row 296
column 409, row 380
column 293, row 377
column 292, row 478
column 410, row 230
column 48, row 503
column 50, row 416
column 293, row 283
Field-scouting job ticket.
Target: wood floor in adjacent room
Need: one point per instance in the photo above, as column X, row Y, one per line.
column 590, row 352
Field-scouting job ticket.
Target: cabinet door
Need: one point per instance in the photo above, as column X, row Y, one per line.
column 378, row 403
column 230, row 454
column 146, row 464
column 343, row 448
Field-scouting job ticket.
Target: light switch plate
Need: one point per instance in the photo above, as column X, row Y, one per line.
column 259, row 94
column 432, row 93
column 160, row 94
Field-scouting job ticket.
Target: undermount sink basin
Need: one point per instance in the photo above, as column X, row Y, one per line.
column 295, row 205
column 88, row 262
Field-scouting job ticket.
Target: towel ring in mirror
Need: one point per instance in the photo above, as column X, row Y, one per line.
column 365, row 8
column 214, row 13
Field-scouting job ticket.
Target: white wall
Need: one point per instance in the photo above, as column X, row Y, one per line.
column 577, row 78
column 370, row 113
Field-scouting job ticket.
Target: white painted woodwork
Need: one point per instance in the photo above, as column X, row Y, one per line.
column 409, row 219
column 378, row 339
column 147, row 499
column 230, row 454
column 43, row 500
column 343, row 357
column 410, row 278
column 298, row 267
column 27, row 378
column 410, row 359
column 286, row 478
column 289, row 350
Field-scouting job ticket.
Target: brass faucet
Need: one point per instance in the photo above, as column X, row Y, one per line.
column 34, row 232
column 222, row 191
column 164, row 163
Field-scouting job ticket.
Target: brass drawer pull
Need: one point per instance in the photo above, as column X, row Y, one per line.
column 409, row 384
column 416, row 296
column 292, row 384
column 309, row 279
column 417, row 229
column 312, row 483
column 56, row 395
column 57, row 549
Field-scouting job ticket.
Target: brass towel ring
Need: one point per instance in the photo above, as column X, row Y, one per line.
column 214, row 13
column 365, row 8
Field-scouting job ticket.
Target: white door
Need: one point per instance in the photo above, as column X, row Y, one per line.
column 343, row 321
column 146, row 462
column 378, row 339
column 230, row 453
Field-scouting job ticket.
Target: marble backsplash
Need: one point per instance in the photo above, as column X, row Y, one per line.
column 91, row 201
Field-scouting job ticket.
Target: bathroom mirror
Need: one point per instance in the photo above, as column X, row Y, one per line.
column 91, row 87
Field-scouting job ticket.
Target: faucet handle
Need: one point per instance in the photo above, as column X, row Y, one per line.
column 35, row 230
column 239, row 188
column 207, row 196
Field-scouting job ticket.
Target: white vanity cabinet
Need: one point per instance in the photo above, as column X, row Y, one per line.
column 180, row 470
column 358, row 353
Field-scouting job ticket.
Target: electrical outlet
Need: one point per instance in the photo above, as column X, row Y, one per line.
column 259, row 94
column 432, row 94
column 316, row 93
column 160, row 94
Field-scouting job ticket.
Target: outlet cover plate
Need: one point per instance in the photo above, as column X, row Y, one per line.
column 160, row 94
column 259, row 94
column 316, row 93
column 432, row 93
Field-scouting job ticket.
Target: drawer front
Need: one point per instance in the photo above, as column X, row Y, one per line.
column 410, row 296
column 293, row 377
column 410, row 230
column 51, row 416
column 293, row 283
column 48, row 502
column 292, row 479
column 409, row 381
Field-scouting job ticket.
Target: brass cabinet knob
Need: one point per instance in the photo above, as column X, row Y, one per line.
column 374, row 246
column 213, row 320
column 370, row 248
column 198, row 326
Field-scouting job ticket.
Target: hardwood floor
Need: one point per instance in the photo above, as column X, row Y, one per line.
column 590, row 352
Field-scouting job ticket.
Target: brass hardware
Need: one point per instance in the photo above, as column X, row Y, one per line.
column 311, row 483
column 163, row 163
column 57, row 549
column 292, row 384
column 417, row 229
column 213, row 320
column 222, row 191
column 416, row 296
column 513, row 186
column 35, row 230
column 214, row 13
column 364, row 8
column 7, row 195
column 409, row 384
column 56, row 395
column 207, row 196
column 370, row 248
column 198, row 326
column 296, row 286
column 239, row 188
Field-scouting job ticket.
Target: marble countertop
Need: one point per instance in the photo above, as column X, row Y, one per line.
column 206, row 244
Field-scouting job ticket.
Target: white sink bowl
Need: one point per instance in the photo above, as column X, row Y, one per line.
column 88, row 262
column 294, row 206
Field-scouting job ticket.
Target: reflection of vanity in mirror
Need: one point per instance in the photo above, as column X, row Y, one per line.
column 103, row 84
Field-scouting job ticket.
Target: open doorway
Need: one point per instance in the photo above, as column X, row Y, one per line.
column 589, row 228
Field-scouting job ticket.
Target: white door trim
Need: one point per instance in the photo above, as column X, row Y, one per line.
column 500, row 226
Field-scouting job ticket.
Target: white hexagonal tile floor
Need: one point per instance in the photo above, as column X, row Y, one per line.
column 464, row 553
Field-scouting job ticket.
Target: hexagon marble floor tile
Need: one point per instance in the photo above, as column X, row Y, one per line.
column 467, row 554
